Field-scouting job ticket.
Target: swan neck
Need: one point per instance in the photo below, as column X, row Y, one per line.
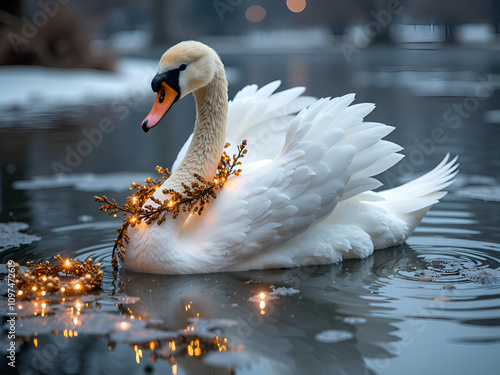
column 209, row 135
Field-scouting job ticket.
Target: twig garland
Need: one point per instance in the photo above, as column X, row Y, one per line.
column 193, row 199
column 42, row 278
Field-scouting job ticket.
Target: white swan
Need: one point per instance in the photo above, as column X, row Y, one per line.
column 305, row 195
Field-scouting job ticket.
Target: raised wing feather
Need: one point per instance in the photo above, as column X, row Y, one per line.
column 261, row 117
column 323, row 159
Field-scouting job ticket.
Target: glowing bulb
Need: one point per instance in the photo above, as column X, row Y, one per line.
column 216, row 181
column 75, row 321
column 262, row 304
column 134, row 199
column 77, row 286
column 170, row 203
column 34, row 288
column 262, row 295
column 67, row 262
column 63, row 289
column 133, row 219
column 44, row 278
column 43, row 305
column 20, row 292
column 124, row 325
column 43, row 292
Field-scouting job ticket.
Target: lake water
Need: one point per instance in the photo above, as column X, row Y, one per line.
column 431, row 306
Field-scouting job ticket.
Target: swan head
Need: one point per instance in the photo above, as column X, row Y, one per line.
column 184, row 68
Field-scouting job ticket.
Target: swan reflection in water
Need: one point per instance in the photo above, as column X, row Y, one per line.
column 271, row 319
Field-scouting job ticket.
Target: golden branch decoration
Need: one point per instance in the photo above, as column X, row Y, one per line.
column 42, row 278
column 193, row 199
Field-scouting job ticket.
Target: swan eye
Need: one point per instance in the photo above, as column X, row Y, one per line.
column 183, row 67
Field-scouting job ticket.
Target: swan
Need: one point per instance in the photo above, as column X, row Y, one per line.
column 305, row 195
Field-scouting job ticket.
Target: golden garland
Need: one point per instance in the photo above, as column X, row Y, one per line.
column 83, row 276
column 42, row 278
column 193, row 199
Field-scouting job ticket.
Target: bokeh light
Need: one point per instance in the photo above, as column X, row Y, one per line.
column 255, row 13
column 296, row 6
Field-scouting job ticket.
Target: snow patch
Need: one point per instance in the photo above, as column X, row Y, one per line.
column 484, row 276
column 36, row 87
column 230, row 359
column 331, row 336
column 10, row 235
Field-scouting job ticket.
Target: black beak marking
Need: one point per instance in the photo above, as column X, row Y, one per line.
column 145, row 126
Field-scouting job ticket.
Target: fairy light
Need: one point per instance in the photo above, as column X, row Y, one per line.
column 44, row 292
column 77, row 286
column 193, row 199
column 19, row 292
column 262, row 295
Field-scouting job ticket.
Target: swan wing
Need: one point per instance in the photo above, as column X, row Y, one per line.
column 260, row 116
column 329, row 154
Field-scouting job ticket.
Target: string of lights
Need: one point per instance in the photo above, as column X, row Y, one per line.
column 193, row 199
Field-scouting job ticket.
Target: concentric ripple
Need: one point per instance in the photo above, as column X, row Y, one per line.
column 444, row 261
column 442, row 278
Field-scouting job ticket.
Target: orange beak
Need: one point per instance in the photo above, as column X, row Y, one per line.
column 164, row 99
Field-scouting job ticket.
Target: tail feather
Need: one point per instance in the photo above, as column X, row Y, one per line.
column 412, row 200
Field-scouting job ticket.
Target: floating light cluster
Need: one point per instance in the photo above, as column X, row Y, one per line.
column 67, row 277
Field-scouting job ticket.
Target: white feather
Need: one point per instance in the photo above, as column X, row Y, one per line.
column 305, row 192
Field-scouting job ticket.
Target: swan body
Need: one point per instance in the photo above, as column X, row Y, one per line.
column 306, row 192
